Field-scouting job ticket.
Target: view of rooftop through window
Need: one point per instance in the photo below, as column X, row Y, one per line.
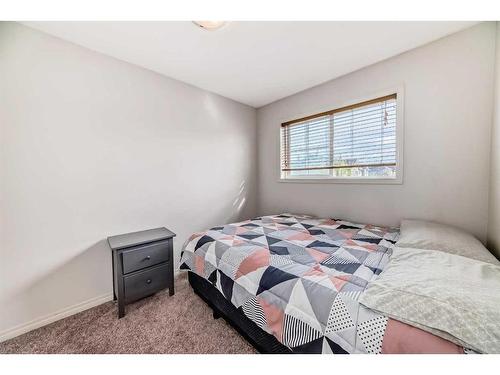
column 358, row 141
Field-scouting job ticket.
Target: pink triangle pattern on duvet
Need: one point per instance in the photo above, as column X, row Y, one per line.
column 299, row 278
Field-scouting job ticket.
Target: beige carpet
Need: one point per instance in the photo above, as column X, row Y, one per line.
column 158, row 324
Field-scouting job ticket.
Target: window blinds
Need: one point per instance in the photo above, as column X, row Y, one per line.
column 360, row 136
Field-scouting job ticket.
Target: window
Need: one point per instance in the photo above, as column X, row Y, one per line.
column 357, row 142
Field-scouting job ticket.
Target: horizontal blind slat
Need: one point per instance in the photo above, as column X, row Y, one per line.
column 344, row 166
column 346, row 129
column 339, row 160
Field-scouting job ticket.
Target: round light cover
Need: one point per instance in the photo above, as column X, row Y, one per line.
column 210, row 25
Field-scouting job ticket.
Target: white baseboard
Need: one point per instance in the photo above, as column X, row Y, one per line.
column 47, row 319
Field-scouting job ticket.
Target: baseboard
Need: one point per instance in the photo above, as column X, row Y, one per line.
column 47, row 319
column 58, row 315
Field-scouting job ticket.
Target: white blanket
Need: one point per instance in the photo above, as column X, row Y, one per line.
column 448, row 295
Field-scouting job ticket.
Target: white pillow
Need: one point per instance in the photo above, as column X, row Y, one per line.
column 427, row 235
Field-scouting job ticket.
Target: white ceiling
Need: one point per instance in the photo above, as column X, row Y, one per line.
column 251, row 62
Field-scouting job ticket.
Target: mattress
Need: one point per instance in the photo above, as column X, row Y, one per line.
column 299, row 279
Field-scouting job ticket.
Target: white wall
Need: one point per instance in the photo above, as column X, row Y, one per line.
column 448, row 110
column 91, row 146
column 494, row 213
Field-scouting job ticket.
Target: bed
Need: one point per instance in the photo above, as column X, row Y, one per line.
column 292, row 284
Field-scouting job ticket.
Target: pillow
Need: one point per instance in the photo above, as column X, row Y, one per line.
column 427, row 235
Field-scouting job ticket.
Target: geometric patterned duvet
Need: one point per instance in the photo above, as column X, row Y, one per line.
column 299, row 278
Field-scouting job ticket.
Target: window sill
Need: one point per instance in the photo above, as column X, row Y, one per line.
column 339, row 180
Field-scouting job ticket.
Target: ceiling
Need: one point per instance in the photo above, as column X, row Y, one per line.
column 254, row 63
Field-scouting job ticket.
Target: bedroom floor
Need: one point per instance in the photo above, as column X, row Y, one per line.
column 159, row 324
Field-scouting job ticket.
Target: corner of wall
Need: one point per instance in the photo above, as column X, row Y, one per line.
column 493, row 233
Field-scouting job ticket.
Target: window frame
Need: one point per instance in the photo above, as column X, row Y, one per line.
column 399, row 91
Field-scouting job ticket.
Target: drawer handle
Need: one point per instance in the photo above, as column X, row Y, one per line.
column 148, row 281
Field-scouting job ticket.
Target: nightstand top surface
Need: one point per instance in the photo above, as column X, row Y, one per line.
column 123, row 241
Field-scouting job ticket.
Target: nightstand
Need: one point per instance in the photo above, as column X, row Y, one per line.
column 143, row 264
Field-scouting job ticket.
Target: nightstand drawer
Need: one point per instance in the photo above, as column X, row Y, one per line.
column 144, row 283
column 145, row 256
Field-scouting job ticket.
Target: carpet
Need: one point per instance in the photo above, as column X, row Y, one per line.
column 179, row 324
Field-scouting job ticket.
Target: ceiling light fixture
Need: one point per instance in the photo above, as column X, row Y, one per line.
column 210, row 25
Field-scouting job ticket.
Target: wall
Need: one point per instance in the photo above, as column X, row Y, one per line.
column 448, row 107
column 91, row 146
column 494, row 212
